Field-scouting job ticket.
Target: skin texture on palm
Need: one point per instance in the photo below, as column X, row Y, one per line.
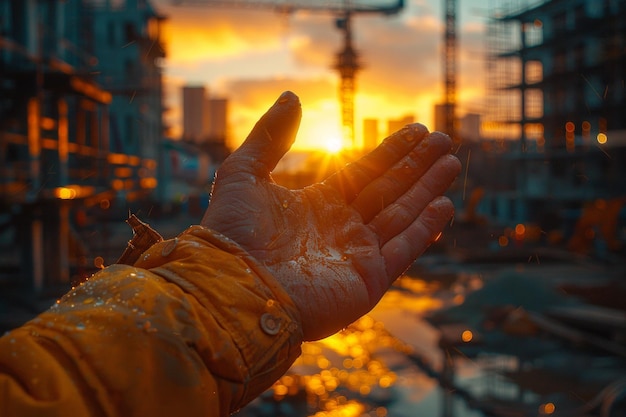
column 338, row 245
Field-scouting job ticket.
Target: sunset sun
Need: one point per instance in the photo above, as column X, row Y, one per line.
column 333, row 144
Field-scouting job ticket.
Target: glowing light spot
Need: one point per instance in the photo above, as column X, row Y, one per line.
column 322, row 362
column 570, row 126
column 280, row 390
column 467, row 336
column 547, row 408
column 385, row 381
column 333, row 144
column 503, row 241
column 98, row 262
column 520, row 231
column 458, row 299
column 65, row 193
column 148, row 182
column 602, row 138
column 117, row 184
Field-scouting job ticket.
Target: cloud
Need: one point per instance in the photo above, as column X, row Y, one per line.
column 251, row 56
column 400, row 57
column 253, row 97
column 215, row 33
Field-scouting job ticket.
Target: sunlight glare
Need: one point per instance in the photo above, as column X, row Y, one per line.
column 333, row 144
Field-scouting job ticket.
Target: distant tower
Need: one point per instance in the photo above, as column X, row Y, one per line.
column 393, row 125
column 217, row 120
column 469, row 127
column 370, row 134
column 449, row 67
column 194, row 113
column 441, row 118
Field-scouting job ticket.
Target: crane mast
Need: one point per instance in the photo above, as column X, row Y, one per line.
column 347, row 60
column 347, row 64
column 449, row 60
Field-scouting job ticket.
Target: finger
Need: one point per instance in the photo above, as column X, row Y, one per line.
column 355, row 176
column 387, row 188
column 400, row 214
column 269, row 140
column 402, row 250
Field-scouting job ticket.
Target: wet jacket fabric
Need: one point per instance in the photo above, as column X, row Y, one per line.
column 196, row 327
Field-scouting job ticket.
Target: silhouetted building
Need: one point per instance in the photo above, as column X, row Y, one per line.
column 557, row 81
column 205, row 118
column 393, row 125
column 218, row 120
column 195, row 112
column 126, row 37
column 564, row 62
column 469, row 127
column 370, row 134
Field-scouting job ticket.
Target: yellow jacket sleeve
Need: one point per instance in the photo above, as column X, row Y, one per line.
column 196, row 327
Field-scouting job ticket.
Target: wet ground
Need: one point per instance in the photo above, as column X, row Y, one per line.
column 392, row 362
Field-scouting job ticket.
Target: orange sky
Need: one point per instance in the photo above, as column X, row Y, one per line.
column 251, row 56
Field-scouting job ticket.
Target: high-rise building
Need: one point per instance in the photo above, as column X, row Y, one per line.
column 205, row 118
column 218, row 120
column 195, row 113
column 469, row 127
column 558, row 69
column 80, row 127
column 556, row 74
column 393, row 125
column 126, row 39
column 370, row 134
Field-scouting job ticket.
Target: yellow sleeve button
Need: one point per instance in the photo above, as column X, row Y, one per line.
column 270, row 324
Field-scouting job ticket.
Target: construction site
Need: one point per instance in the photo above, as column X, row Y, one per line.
column 541, row 202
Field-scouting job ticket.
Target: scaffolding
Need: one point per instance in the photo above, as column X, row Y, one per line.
column 514, row 103
column 555, row 90
column 61, row 173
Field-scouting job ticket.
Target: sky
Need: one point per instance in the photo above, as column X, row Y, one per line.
column 251, row 55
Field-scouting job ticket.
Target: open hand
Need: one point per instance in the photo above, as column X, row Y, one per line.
column 338, row 245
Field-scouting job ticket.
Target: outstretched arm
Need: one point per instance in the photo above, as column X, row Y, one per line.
column 335, row 246
column 203, row 323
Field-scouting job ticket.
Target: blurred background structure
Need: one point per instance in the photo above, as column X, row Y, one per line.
column 84, row 140
column 80, row 130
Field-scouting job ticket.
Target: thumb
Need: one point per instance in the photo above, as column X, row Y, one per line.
column 270, row 139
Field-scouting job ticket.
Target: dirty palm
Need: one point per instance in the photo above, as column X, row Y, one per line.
column 359, row 229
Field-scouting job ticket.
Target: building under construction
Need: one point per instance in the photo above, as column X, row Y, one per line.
column 556, row 77
column 80, row 130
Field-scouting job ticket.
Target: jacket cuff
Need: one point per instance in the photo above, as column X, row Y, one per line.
column 253, row 331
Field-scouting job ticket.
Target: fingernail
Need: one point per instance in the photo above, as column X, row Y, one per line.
column 284, row 97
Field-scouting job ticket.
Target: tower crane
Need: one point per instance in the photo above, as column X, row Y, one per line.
column 449, row 67
column 347, row 61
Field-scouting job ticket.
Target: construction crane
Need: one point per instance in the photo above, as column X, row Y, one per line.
column 449, row 67
column 347, row 61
